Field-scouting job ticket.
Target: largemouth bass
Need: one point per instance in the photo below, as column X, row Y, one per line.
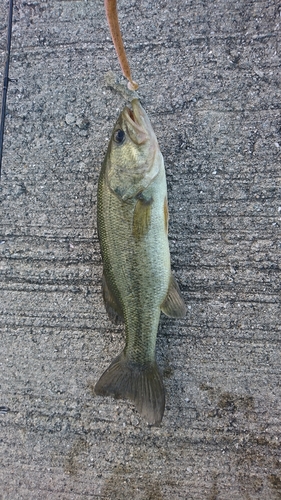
column 137, row 279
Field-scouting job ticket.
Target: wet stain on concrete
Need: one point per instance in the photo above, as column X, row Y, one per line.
column 275, row 482
column 123, row 483
column 72, row 460
column 214, row 490
column 227, row 403
column 233, row 402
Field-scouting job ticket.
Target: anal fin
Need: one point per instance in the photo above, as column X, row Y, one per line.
column 173, row 305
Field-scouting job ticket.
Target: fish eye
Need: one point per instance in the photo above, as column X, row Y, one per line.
column 119, row 136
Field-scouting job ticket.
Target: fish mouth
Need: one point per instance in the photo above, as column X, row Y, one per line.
column 136, row 119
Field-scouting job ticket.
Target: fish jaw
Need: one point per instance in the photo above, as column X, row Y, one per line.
column 138, row 124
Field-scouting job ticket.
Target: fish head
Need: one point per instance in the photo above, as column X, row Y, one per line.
column 133, row 158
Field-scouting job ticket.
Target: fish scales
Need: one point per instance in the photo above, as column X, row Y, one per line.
column 137, row 279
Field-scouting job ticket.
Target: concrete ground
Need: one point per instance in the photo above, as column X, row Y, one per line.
column 209, row 75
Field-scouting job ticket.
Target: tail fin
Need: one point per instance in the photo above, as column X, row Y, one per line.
column 142, row 384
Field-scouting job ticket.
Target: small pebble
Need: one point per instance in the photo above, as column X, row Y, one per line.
column 83, row 123
column 70, row 118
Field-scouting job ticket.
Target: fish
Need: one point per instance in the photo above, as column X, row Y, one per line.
column 137, row 281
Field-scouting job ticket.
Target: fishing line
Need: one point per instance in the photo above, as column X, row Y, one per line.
column 6, row 80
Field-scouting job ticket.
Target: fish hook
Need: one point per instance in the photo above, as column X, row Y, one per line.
column 112, row 19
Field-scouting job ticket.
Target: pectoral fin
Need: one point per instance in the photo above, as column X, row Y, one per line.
column 112, row 305
column 173, row 305
column 142, row 217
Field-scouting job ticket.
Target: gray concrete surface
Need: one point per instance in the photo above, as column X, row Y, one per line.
column 209, row 75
